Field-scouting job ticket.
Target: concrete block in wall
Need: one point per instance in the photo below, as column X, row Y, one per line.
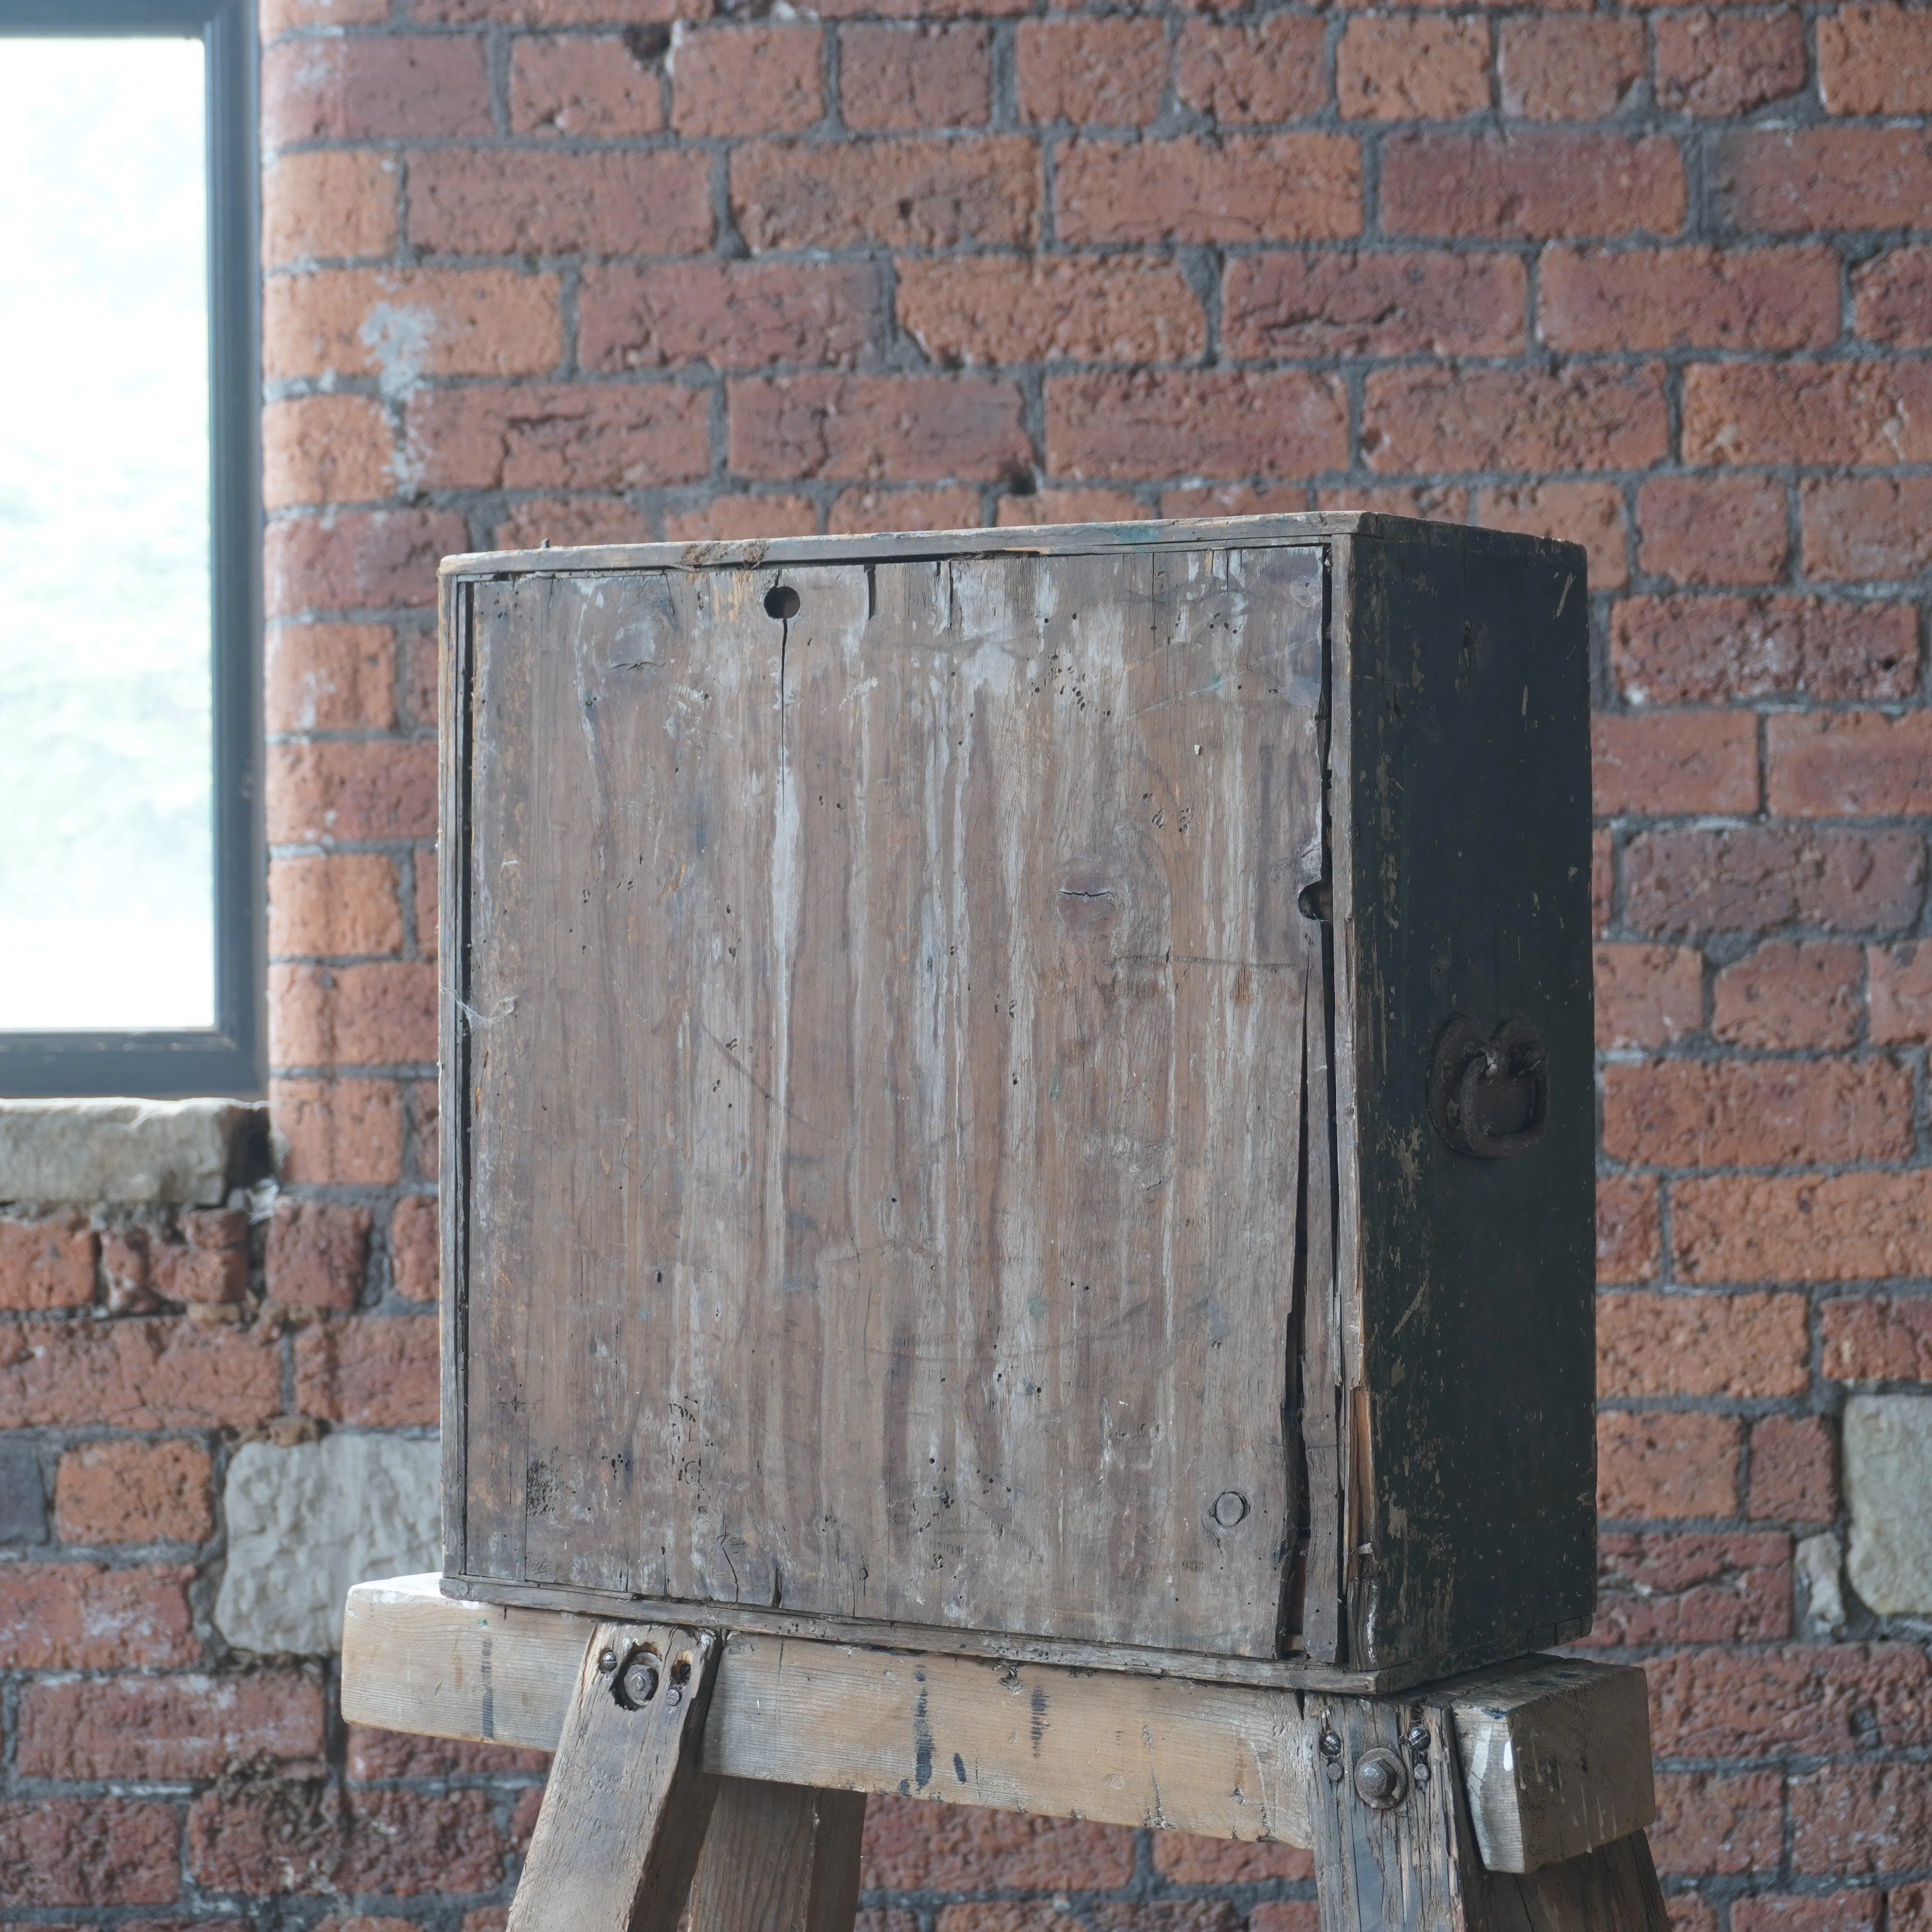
column 188, row 1152
column 1889, row 1484
column 305, row 1523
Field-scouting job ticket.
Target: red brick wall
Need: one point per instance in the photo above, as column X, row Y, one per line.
column 569, row 268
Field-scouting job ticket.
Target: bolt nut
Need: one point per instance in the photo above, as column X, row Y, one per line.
column 1381, row 1781
column 1329, row 1743
column 1420, row 1773
column 638, row 1681
column 1418, row 1738
column 673, row 1697
column 1334, row 1771
column 607, row 1662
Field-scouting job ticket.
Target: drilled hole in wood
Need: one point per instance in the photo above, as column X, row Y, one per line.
column 781, row 602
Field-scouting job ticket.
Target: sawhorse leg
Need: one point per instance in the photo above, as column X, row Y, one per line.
column 779, row 1857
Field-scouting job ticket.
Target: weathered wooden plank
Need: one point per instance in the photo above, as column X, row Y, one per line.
column 625, row 1810
column 1228, row 1761
column 888, row 1047
column 778, row 1857
column 1613, row 1888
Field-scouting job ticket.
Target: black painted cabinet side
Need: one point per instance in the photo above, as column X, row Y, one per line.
column 1467, row 662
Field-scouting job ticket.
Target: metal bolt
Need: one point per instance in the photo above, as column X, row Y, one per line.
column 1329, row 1745
column 1231, row 1508
column 1420, row 1773
column 1334, row 1771
column 607, row 1662
column 640, row 1682
column 1418, row 1738
column 1381, row 1781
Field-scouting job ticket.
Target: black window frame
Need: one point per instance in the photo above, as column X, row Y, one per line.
column 225, row 1060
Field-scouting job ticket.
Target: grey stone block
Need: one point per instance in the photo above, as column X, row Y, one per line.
column 1889, row 1485
column 305, row 1523
column 184, row 1153
column 23, row 1501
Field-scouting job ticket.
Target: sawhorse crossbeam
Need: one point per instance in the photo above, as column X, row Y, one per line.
column 733, row 1767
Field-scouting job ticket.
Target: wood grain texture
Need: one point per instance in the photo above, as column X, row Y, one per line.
column 1227, row 1761
column 1613, row 1888
column 625, row 1810
column 885, row 1118
column 1558, row 1757
column 778, row 1857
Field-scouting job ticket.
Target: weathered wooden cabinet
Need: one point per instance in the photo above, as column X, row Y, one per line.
column 1033, row 1085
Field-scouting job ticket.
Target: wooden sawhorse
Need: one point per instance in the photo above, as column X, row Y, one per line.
column 734, row 1767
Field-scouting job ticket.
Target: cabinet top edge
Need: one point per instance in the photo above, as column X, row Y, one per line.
column 1040, row 540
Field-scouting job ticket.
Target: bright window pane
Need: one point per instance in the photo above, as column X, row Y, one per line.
column 107, row 848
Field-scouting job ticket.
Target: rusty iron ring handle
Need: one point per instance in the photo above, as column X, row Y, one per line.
column 1466, row 1063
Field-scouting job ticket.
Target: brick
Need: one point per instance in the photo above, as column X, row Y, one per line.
column 1118, row 308
column 1413, row 67
column 425, row 1128
column 1665, row 1465
column 1714, row 64
column 746, row 79
column 734, row 315
column 205, row 1259
column 1191, row 1915
column 1628, row 1230
column 1195, row 422
column 1237, row 500
column 372, row 1015
column 908, row 79
column 1901, row 995
column 892, row 194
column 1242, row 187
column 1847, row 1227
column 1285, row 1915
column 1589, row 513
column 331, row 904
column 911, row 1846
column 1853, row 1819
column 324, row 449
column 161, row 1373
column 133, row 1493
column 269, row 1836
column 1366, row 303
column 1875, row 60
column 343, row 1131
column 727, row 519
column 87, row 1851
column 1794, row 1473
column 1603, row 881
column 329, row 677
column 955, row 507
column 1070, row 506
column 318, row 1253
column 366, row 559
column 414, row 1258
column 1696, row 1113
column 171, row 1728
column 1877, row 1339
column 1720, row 1823
column 1791, row 181
column 425, row 907
column 1531, row 184
column 1591, row 416
column 1105, row 73
column 1687, row 298
column 1692, row 650
column 47, row 1263
column 407, row 1843
column 1730, row 1588
column 1442, row 502
column 1691, row 1912
column 333, row 205
column 1576, row 67
column 1891, row 298
column 1664, row 762
column 544, row 13
column 374, row 87
column 1730, row 1345
column 1757, row 876
column 1713, row 529
column 373, row 1754
column 419, row 676
column 520, row 202
column 591, row 87
column 1860, row 764
column 1786, row 994
column 79, row 1616
column 1864, row 412
column 1182, row 1859
column 901, row 428
column 378, row 788
column 1647, row 995
column 402, row 324
column 1836, row 1912
column 1859, row 528
column 370, row 1372
column 534, row 437
column 1270, row 71
column 278, row 16
column 565, row 521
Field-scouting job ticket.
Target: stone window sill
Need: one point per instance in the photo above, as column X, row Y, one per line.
column 186, row 1153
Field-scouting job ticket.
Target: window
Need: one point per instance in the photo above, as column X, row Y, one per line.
column 130, row 846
